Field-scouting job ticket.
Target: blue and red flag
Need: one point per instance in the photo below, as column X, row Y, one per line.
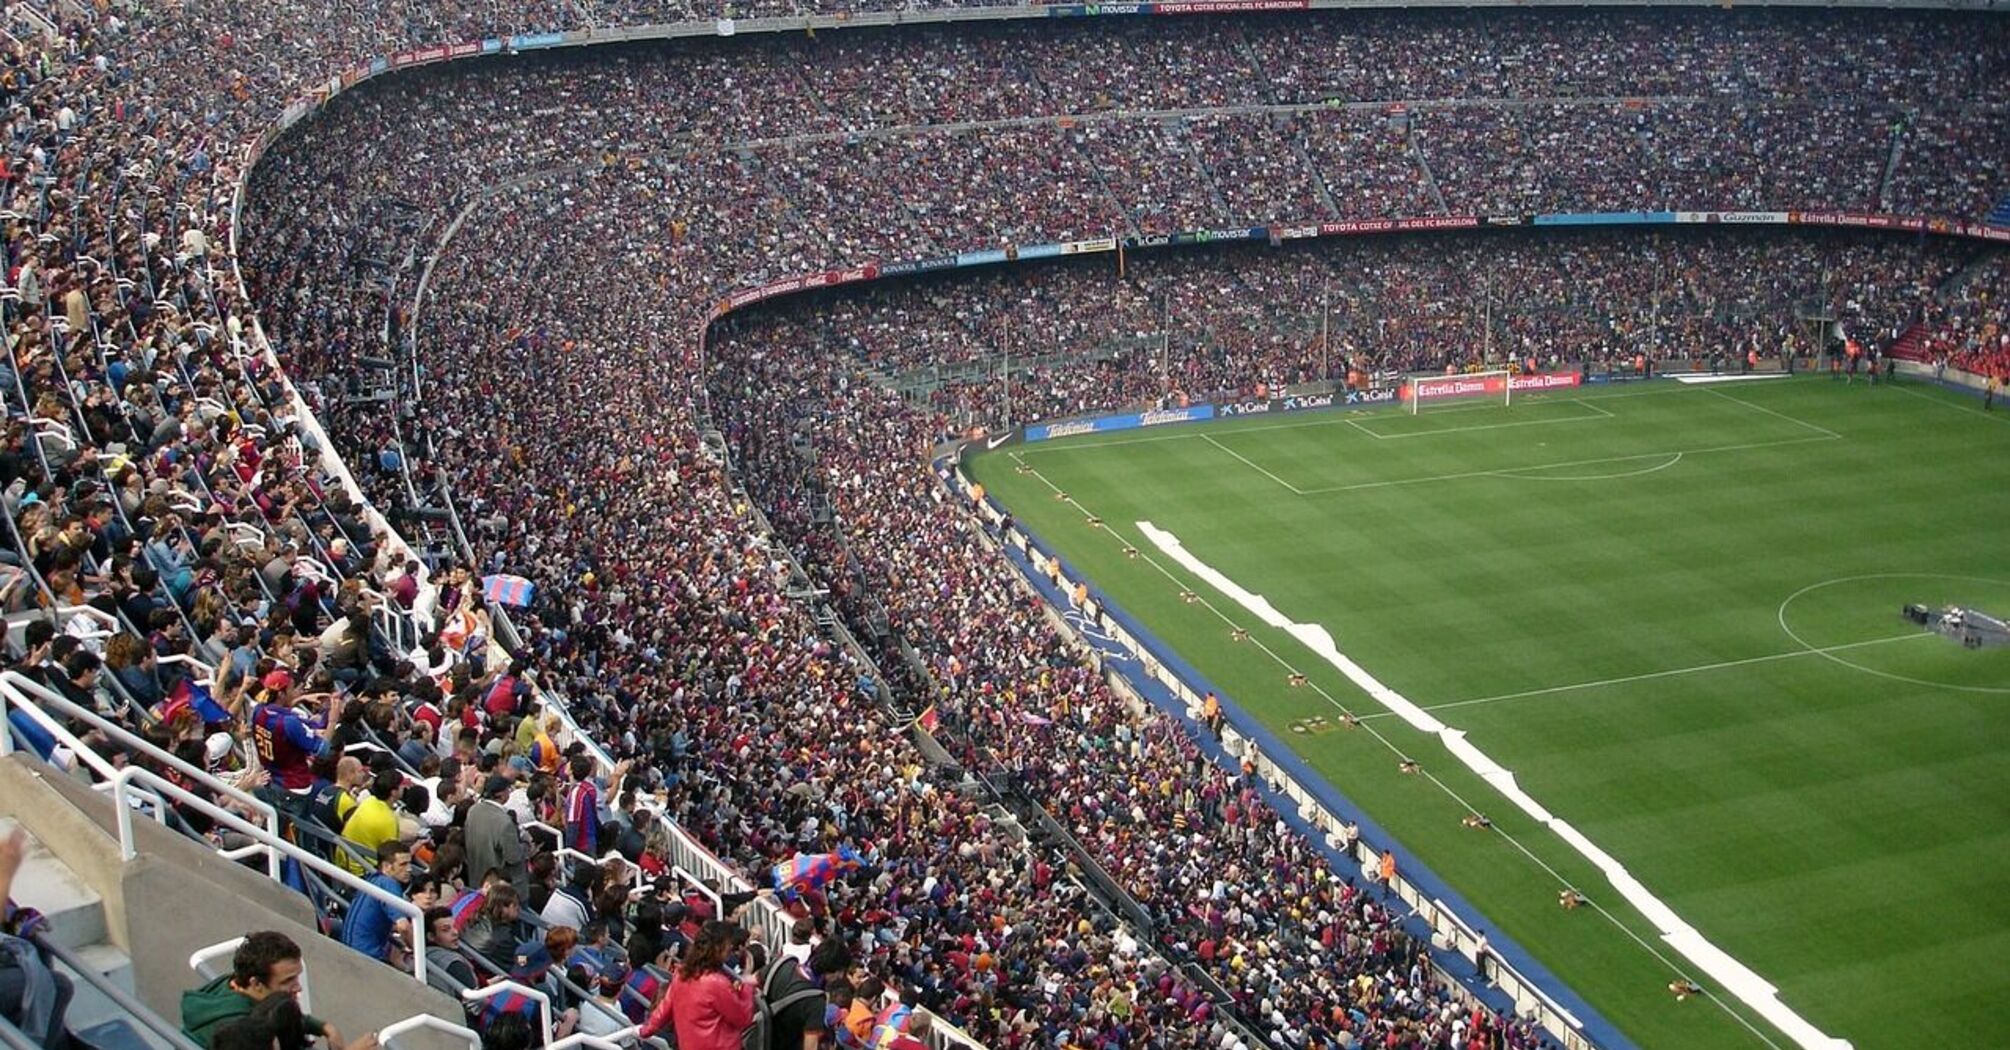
column 814, row 871
column 467, row 907
column 889, row 1025
column 187, row 695
column 504, row 589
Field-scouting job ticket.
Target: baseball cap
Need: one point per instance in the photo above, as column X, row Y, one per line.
column 278, row 680
column 495, row 786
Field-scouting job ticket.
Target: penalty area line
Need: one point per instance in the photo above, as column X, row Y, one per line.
column 1251, row 464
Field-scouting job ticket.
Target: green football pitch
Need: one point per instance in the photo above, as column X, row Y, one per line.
column 1673, row 612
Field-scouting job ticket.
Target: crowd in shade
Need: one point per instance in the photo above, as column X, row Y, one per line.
column 545, row 411
column 1970, row 329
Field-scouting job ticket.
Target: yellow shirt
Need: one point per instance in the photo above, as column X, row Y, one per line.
column 370, row 826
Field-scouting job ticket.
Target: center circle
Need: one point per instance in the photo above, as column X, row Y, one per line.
column 1828, row 653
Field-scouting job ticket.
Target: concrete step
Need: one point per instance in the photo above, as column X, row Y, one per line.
column 77, row 922
column 117, row 1034
column 76, row 915
column 91, row 1008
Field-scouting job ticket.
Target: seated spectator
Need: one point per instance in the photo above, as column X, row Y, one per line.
column 372, row 926
column 374, row 822
column 267, row 964
column 446, row 968
column 493, row 932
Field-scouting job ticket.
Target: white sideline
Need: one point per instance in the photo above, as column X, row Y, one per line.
column 1729, row 378
column 1735, row 977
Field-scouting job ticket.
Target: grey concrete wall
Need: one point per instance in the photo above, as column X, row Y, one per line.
column 177, row 897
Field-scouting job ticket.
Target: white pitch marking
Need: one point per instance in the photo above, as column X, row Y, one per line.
column 1365, row 430
column 1735, row 977
column 1653, row 675
column 1774, row 414
column 1514, row 473
column 1246, row 461
column 1357, row 486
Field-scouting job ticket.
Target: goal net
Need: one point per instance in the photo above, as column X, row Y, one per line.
column 1468, row 386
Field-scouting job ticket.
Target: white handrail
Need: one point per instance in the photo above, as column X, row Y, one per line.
column 12, row 683
column 208, row 670
column 160, row 813
column 387, row 1035
column 129, row 849
column 718, row 902
column 199, row 960
column 97, row 763
column 612, row 857
column 610, row 1041
column 479, row 995
column 69, row 614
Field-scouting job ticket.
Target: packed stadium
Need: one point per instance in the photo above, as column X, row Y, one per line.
column 1199, row 525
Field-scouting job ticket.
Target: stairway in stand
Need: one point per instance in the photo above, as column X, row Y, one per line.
column 1911, row 343
column 76, row 918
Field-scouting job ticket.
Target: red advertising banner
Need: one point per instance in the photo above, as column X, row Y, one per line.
column 1548, row 380
column 1474, row 386
column 826, row 279
column 1458, row 386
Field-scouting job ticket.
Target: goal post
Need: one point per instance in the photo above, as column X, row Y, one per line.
column 1465, row 386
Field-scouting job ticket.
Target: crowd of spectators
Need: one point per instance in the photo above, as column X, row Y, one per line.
column 262, row 623
column 1970, row 329
column 1077, row 337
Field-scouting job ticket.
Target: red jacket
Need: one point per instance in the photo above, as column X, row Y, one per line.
column 709, row 1012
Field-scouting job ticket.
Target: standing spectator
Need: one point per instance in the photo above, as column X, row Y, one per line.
column 794, row 990
column 708, row 1006
column 286, row 742
column 494, row 843
column 582, row 806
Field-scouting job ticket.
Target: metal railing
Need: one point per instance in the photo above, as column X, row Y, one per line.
column 388, row 1035
column 277, row 850
column 125, row 794
column 543, row 1001
column 127, row 1003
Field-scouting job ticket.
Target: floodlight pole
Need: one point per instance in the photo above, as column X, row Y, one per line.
column 1487, row 325
column 1005, row 343
column 1325, row 330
